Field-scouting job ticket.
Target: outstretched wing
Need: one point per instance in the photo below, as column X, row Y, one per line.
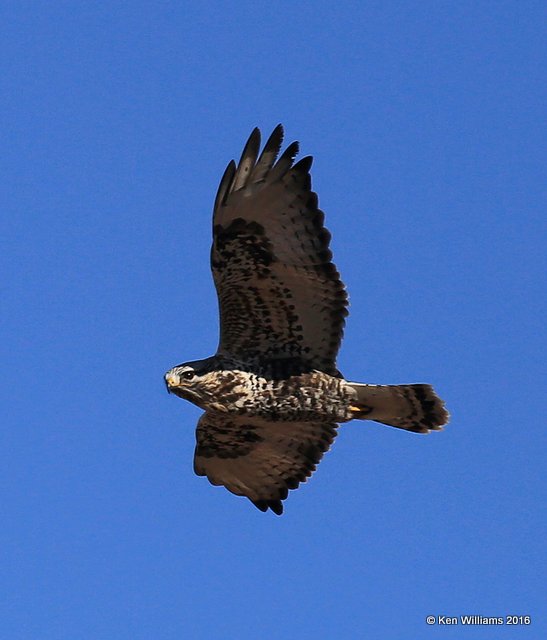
column 280, row 295
column 258, row 459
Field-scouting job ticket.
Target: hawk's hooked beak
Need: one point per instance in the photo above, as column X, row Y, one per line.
column 171, row 380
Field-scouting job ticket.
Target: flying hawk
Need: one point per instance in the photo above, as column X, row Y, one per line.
column 272, row 394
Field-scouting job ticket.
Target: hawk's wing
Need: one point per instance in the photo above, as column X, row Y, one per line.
column 259, row 459
column 280, row 296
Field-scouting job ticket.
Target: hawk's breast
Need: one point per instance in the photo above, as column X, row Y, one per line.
column 305, row 397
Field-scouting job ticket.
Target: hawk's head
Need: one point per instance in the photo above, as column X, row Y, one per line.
column 192, row 380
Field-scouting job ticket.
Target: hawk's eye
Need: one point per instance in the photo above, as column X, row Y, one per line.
column 187, row 375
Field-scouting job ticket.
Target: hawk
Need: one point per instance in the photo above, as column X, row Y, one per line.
column 272, row 394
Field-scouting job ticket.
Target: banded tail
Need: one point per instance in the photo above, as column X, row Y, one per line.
column 414, row 407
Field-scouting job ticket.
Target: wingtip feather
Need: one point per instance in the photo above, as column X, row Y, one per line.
column 263, row 505
column 247, row 160
column 225, row 184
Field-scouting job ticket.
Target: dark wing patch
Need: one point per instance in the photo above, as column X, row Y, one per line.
column 280, row 295
column 259, row 459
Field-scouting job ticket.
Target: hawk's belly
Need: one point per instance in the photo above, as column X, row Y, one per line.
column 307, row 397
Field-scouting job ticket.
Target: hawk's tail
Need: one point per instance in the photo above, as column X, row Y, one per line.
column 414, row 407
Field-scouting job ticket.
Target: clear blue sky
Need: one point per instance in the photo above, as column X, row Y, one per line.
column 425, row 120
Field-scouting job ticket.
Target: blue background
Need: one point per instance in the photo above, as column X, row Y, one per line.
column 425, row 119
